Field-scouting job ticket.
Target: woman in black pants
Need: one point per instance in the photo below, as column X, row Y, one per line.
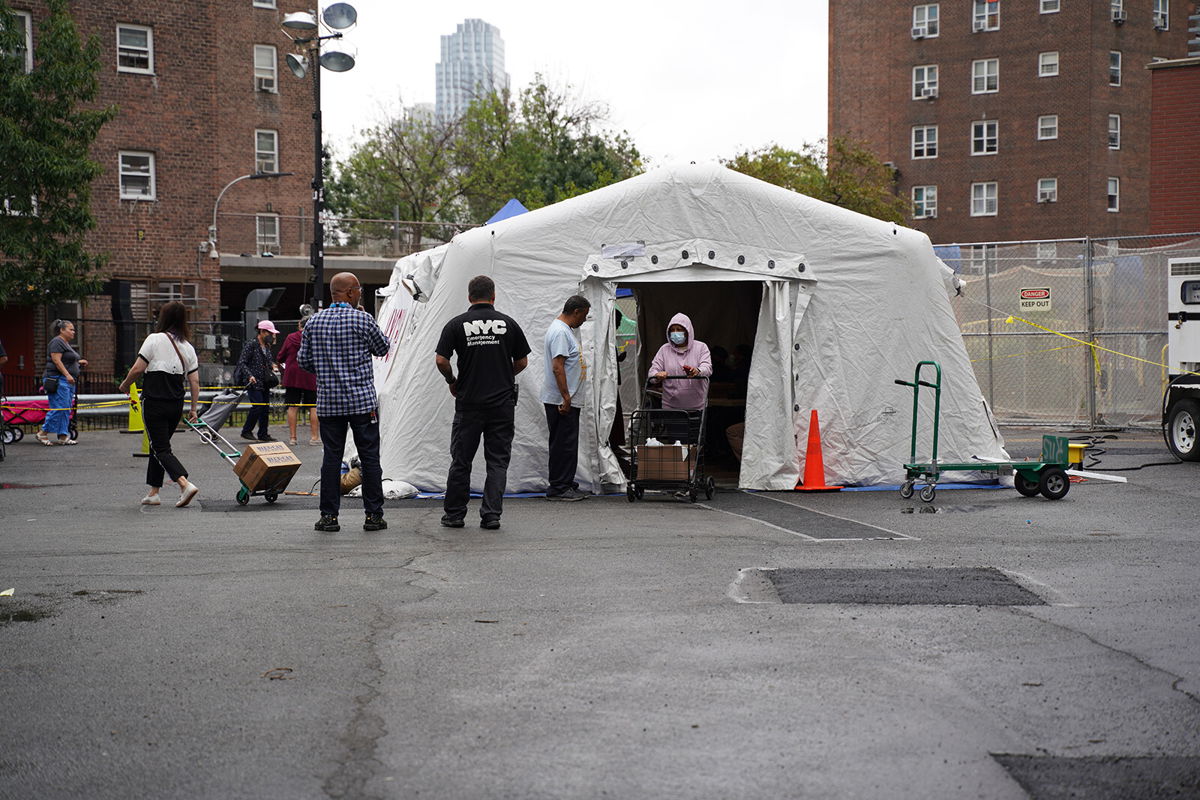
column 166, row 358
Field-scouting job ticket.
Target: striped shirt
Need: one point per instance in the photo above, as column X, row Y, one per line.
column 337, row 346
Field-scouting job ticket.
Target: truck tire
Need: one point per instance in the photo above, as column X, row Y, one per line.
column 1183, row 430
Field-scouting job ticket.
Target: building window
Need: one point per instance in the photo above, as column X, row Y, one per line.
column 264, row 68
column 266, row 151
column 1114, row 194
column 267, row 233
column 1114, row 131
column 985, row 137
column 135, row 49
column 13, row 207
column 137, row 175
column 176, row 291
column 1048, row 127
column 977, row 257
column 925, row 21
column 24, row 51
column 925, row 81
column 985, row 76
column 1048, row 64
column 1047, row 190
column 1047, row 251
column 264, row 3
column 924, row 141
column 987, row 16
column 924, row 202
column 1162, row 15
column 1114, row 68
column 1050, row 7
column 983, row 199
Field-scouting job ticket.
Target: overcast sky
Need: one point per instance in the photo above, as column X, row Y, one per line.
column 689, row 81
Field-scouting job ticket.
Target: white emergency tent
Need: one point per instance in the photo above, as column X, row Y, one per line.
column 848, row 304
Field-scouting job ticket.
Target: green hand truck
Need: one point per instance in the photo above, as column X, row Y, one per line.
column 1047, row 476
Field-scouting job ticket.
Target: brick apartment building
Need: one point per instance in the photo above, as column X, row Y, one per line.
column 204, row 97
column 1006, row 120
column 1175, row 146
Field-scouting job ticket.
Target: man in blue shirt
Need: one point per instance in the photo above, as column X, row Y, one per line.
column 337, row 346
column 562, row 395
column 491, row 350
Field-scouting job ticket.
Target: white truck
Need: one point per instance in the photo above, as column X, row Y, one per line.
column 1181, row 401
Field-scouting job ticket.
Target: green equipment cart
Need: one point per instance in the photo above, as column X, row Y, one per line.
column 1047, row 476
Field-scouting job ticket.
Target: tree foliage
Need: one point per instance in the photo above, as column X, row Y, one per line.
column 842, row 172
column 46, row 130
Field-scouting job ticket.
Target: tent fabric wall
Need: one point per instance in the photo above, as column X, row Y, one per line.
column 849, row 304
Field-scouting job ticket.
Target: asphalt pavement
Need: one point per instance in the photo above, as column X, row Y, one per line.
column 845, row 645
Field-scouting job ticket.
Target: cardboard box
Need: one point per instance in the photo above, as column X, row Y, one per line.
column 269, row 465
column 665, row 462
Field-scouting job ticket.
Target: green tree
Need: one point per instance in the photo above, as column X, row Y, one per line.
column 842, row 172
column 46, row 131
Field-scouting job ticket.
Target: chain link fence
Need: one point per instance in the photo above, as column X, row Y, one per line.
column 1069, row 332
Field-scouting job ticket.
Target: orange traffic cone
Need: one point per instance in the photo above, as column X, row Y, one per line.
column 814, row 464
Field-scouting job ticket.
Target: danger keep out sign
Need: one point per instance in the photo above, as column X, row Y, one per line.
column 1035, row 299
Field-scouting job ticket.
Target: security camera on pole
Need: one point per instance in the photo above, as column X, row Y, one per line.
column 302, row 28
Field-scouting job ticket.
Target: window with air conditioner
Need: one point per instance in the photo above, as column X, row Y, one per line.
column 266, row 151
column 24, row 51
column 924, row 141
column 1048, row 64
column 985, row 137
column 135, row 49
column 986, row 16
column 925, row 81
column 1114, row 194
column 924, row 202
column 267, row 233
column 265, row 69
column 1047, row 190
column 1162, row 15
column 136, row 171
column 1117, row 9
column 1114, row 68
column 1114, row 131
column 984, row 199
column 1047, row 126
column 985, row 76
column 925, row 21
column 1050, row 7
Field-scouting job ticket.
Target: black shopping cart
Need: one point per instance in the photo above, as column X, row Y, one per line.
column 668, row 447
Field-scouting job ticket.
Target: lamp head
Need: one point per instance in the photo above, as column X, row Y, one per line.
column 297, row 64
column 338, row 59
column 300, row 21
column 340, row 16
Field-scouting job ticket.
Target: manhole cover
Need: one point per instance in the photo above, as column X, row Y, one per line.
column 1105, row 777
column 971, row 586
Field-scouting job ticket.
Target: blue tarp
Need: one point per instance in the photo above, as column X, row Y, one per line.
column 512, row 208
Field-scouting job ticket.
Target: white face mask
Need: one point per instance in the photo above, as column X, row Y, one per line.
column 678, row 338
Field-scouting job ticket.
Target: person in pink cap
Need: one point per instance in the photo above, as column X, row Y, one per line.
column 256, row 369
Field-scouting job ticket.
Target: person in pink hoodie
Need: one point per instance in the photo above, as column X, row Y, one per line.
column 682, row 355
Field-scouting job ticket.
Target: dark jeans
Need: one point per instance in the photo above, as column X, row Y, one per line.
column 495, row 424
column 365, row 428
column 564, row 448
column 160, row 418
column 259, row 413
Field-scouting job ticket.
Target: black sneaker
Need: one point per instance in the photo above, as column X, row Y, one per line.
column 570, row 495
column 490, row 524
column 327, row 524
column 374, row 522
column 452, row 522
column 266, row 437
column 249, row 437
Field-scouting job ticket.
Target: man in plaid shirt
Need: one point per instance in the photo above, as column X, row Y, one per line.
column 337, row 346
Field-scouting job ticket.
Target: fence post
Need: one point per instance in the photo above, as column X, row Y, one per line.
column 1090, row 327
column 987, row 291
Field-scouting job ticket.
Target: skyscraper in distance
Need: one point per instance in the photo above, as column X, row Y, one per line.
column 472, row 65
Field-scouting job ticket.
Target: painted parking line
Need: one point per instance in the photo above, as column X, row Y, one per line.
column 796, row 518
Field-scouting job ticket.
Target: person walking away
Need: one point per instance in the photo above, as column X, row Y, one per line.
column 256, row 369
column 491, row 350
column 336, row 346
column 167, row 358
column 299, row 386
column 62, row 371
column 562, row 393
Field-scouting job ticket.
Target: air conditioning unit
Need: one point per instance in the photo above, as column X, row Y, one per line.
column 1047, row 197
column 1118, row 16
column 929, row 92
column 978, row 25
column 264, row 84
column 1158, row 26
column 1114, row 141
column 920, row 33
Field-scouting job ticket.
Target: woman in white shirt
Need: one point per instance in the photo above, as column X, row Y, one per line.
column 166, row 358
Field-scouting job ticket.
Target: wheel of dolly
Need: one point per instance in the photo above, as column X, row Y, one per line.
column 1054, row 483
column 1025, row 486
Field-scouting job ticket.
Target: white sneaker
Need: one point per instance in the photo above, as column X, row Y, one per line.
column 292, row 442
column 151, row 500
column 187, row 495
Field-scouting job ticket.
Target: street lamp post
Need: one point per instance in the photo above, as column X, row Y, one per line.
column 336, row 17
column 212, row 229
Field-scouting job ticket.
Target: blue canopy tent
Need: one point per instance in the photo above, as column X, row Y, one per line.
column 512, row 208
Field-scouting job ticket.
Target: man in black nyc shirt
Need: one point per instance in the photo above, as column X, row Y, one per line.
column 491, row 349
